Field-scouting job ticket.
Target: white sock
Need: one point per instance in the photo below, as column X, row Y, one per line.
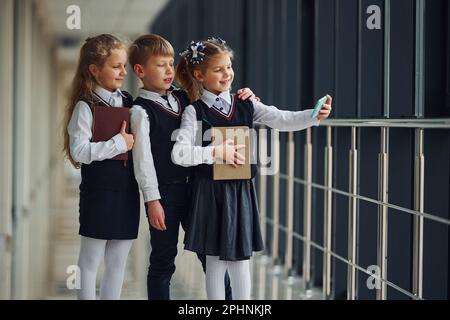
column 116, row 254
column 91, row 251
column 239, row 272
column 215, row 272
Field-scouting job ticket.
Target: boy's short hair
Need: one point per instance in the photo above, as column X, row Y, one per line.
column 149, row 45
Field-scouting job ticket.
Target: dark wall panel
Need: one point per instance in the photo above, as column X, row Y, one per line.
column 254, row 48
column 340, row 210
column 401, row 190
column 370, row 69
column 346, row 56
column 368, row 150
column 324, row 53
column 446, row 57
column 299, row 190
column 401, row 102
column 437, row 30
column 282, row 207
column 290, row 53
column 436, row 236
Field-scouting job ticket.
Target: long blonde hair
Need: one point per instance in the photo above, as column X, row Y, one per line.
column 184, row 75
column 94, row 51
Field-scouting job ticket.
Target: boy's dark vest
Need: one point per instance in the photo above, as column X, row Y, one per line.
column 241, row 114
column 163, row 123
column 114, row 175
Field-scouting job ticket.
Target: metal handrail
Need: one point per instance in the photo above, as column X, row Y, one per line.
column 393, row 206
column 441, row 123
column 382, row 202
column 339, row 257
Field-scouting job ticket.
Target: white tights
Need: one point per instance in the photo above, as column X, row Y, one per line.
column 115, row 253
column 239, row 272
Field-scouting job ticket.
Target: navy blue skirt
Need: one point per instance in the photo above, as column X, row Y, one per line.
column 109, row 215
column 223, row 220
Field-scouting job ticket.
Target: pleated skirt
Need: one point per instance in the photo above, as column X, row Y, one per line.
column 223, row 219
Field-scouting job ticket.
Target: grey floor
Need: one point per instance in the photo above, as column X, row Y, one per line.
column 268, row 282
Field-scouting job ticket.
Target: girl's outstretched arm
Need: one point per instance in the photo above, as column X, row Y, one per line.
column 188, row 150
column 284, row 120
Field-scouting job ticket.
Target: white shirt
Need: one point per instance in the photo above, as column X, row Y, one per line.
column 170, row 104
column 185, row 151
column 144, row 167
column 221, row 103
column 80, row 131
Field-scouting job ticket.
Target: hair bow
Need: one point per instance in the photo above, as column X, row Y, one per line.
column 196, row 48
column 217, row 40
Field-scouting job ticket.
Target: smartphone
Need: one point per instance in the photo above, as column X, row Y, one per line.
column 318, row 106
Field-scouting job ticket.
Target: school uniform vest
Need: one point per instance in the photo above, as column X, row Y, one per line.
column 109, row 174
column 240, row 114
column 109, row 195
column 223, row 219
column 163, row 123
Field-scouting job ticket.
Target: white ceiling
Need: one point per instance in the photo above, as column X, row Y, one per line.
column 127, row 17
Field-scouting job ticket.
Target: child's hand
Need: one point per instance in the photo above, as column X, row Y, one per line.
column 246, row 93
column 156, row 215
column 129, row 139
column 326, row 109
column 227, row 152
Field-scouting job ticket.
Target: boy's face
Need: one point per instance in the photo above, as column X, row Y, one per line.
column 111, row 75
column 157, row 73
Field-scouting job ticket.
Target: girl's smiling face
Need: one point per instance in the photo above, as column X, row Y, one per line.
column 218, row 75
column 111, row 75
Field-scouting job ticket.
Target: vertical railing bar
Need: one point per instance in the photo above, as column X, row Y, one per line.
column 419, row 157
column 290, row 204
column 263, row 182
column 307, row 213
column 358, row 267
column 352, row 216
column 326, row 289
column 382, row 211
column 276, row 198
column 419, row 188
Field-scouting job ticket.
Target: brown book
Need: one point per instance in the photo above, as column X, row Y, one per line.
column 240, row 135
column 108, row 122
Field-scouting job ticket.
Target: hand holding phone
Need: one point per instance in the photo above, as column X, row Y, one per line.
column 318, row 106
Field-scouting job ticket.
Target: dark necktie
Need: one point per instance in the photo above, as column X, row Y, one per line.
column 167, row 99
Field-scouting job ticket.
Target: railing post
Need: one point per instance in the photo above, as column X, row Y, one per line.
column 419, row 170
column 328, row 218
column 383, row 162
column 352, row 217
column 276, row 198
column 419, row 157
column 290, row 204
column 307, row 213
column 262, row 281
column 263, row 181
